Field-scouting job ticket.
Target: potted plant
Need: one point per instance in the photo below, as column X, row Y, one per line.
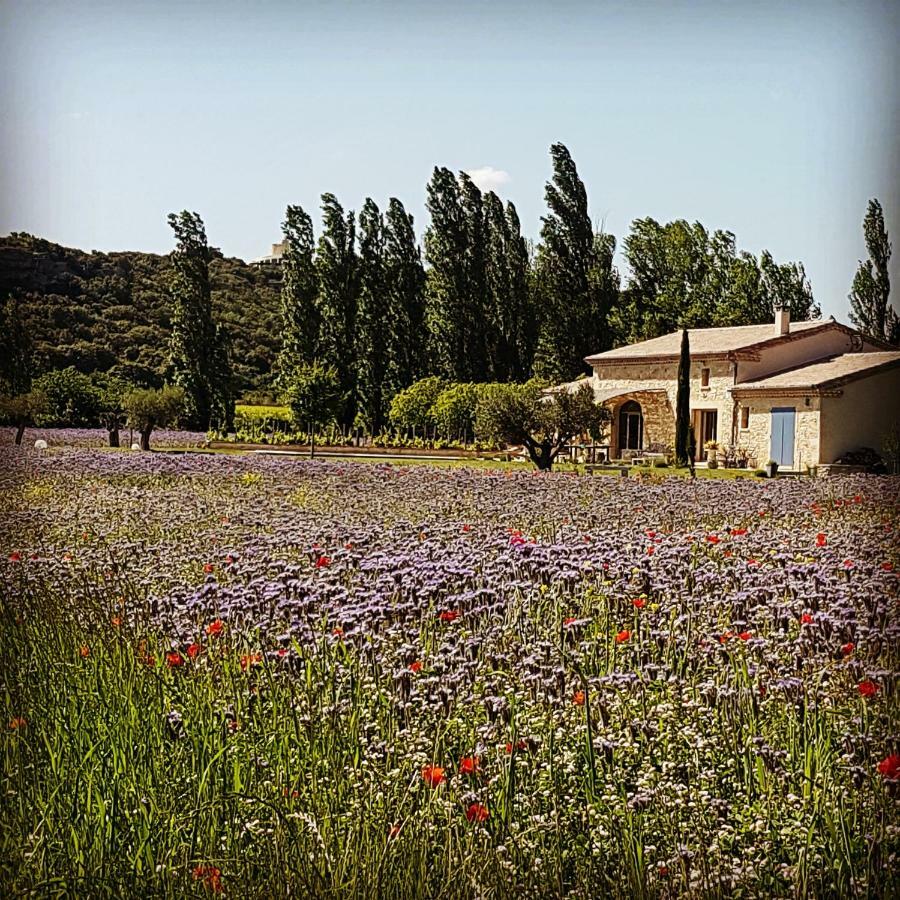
column 712, row 459
column 771, row 468
column 742, row 457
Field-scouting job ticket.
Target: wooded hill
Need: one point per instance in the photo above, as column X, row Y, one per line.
column 110, row 311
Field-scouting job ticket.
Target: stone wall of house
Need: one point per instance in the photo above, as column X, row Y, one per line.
column 658, row 409
column 757, row 437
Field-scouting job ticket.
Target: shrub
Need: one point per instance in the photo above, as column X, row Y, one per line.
column 72, row 399
column 413, row 407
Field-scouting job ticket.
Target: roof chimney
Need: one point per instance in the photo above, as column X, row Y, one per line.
column 782, row 320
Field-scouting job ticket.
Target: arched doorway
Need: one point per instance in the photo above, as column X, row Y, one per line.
column 631, row 427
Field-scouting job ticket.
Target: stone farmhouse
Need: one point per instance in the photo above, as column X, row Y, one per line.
column 801, row 393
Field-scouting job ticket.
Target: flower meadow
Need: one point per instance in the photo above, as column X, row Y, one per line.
column 272, row 677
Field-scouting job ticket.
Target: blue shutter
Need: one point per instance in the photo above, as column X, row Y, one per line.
column 782, row 444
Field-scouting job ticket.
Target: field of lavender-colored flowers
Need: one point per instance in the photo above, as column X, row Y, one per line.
column 271, row 677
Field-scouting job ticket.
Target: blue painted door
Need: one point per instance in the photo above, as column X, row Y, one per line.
column 782, row 448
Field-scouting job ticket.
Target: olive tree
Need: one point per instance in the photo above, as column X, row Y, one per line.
column 149, row 408
column 23, row 410
column 543, row 422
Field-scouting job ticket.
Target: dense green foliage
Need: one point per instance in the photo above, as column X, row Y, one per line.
column 359, row 298
column 111, row 311
column 314, row 395
column 71, row 399
column 870, row 308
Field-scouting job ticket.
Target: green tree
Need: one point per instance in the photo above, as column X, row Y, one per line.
column 374, row 347
column 404, row 278
column 413, row 407
column 683, row 403
column 299, row 294
column 16, row 346
column 543, row 423
column 574, row 297
column 23, row 410
column 111, row 393
column 453, row 410
column 71, row 399
column 315, row 398
column 198, row 350
column 519, row 321
column 151, row 408
column 450, row 325
column 870, row 309
column 337, row 268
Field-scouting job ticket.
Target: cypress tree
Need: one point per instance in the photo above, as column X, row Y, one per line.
column 683, row 453
column 336, row 266
column 373, row 330
column 405, row 285
column 198, row 349
column 299, row 295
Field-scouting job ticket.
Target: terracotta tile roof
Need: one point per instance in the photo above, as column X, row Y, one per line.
column 708, row 341
column 826, row 373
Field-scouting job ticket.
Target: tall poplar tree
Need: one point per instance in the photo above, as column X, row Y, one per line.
column 499, row 327
column 522, row 315
column 448, row 307
column 299, row 294
column 16, row 348
column 683, row 403
column 404, row 278
column 336, row 266
column 477, row 311
column 198, row 351
column 870, row 308
column 374, row 327
column 574, row 309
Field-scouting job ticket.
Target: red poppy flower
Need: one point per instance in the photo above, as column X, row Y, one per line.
column 728, row 554
column 416, row 666
column 663, row 871
column 848, row 564
column 17, row 722
column 724, row 637
column 469, row 765
column 116, row 621
column 806, row 619
column 209, row 568
column 586, row 538
column 889, row 767
column 821, row 540
column 210, row 876
column 338, row 631
column 250, row 659
column 148, row 659
column 520, row 745
column 174, row 659
column 650, row 534
column 282, row 651
column 433, row 775
column 651, row 550
column 578, row 698
column 85, row 651
column 291, row 795
column 712, row 538
column 477, row 813
column 639, row 603
column 467, row 528
column 322, row 562
column 567, row 622
column 868, row 688
column 848, row 648
column 517, row 540
column 229, row 560
column 887, row 566
column 224, row 520
column 194, row 650
column 348, row 545
column 623, row 636
column 15, row 556
column 449, row 615
column 215, row 628
column 738, row 531
column 395, row 830
column 745, row 635
column 752, row 562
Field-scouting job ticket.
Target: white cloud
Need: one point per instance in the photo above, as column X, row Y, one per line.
column 488, row 178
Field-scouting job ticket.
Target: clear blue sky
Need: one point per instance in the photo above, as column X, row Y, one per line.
column 777, row 121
